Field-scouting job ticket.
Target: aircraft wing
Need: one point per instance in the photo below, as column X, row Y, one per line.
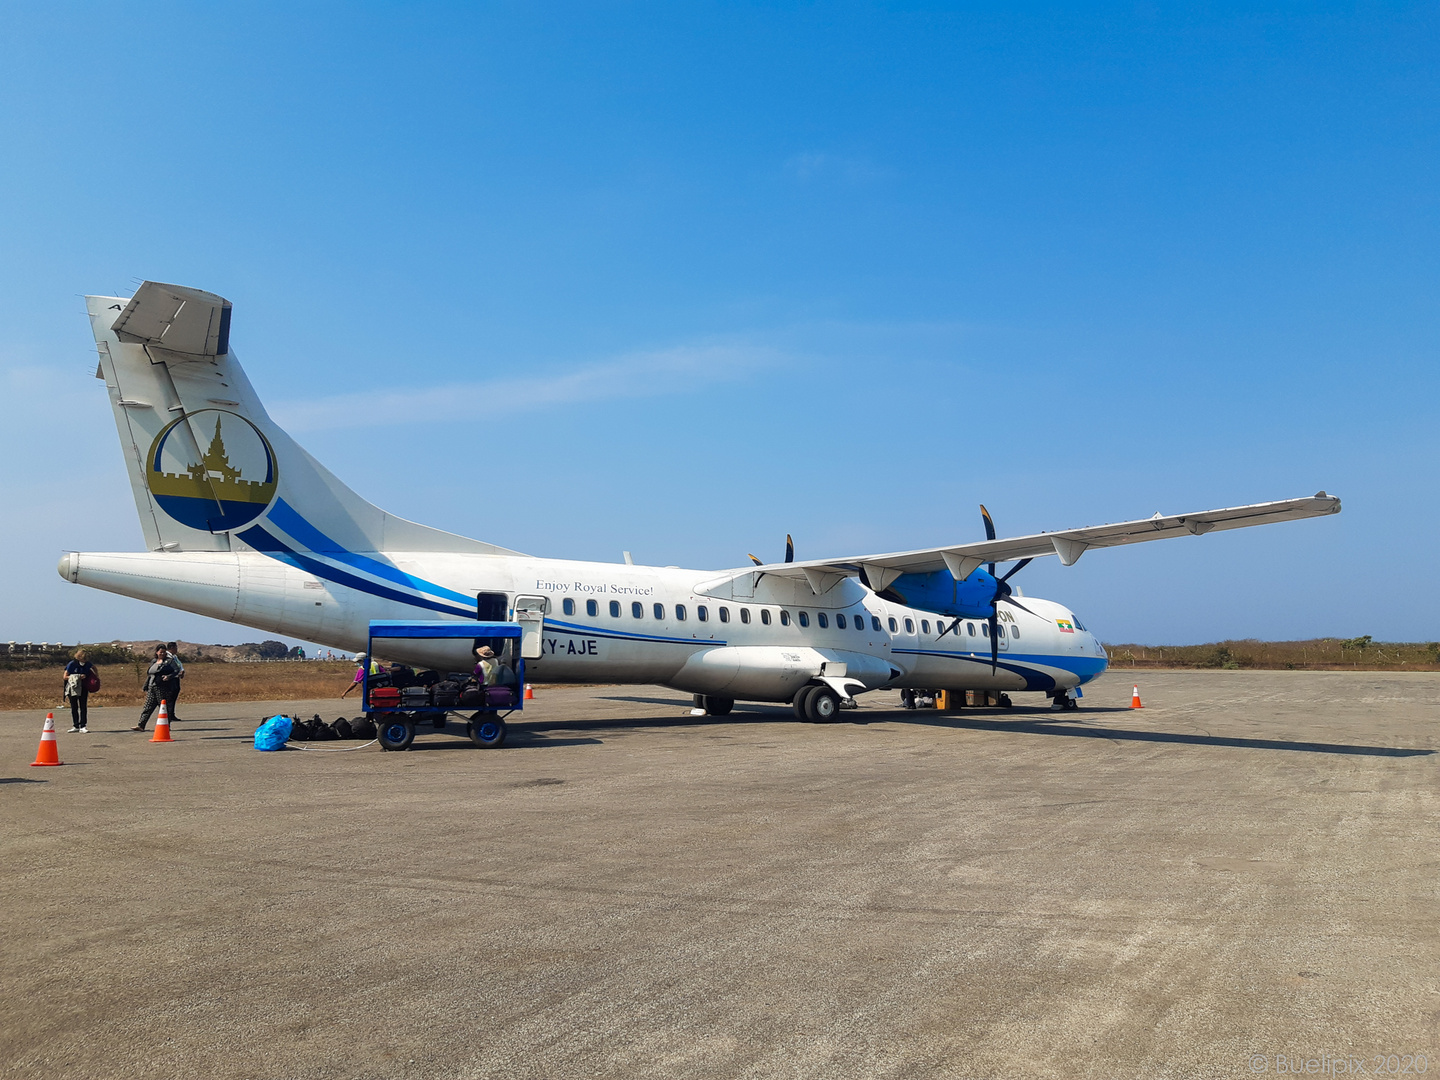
column 962, row 559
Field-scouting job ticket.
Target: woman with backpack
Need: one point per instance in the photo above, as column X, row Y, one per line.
column 80, row 674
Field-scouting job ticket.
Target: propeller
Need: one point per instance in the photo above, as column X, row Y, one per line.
column 1003, row 593
column 789, row 552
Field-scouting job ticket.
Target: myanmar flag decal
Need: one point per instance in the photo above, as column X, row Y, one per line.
column 1066, row 626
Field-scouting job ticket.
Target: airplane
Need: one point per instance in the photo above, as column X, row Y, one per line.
column 243, row 525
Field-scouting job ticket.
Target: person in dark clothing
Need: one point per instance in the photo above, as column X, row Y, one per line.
column 172, row 650
column 162, row 682
column 78, row 673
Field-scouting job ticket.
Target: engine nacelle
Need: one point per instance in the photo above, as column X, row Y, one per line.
column 939, row 592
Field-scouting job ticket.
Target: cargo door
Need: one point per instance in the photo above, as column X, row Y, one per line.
column 530, row 614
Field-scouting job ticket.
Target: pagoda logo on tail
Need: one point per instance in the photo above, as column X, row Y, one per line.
column 211, row 470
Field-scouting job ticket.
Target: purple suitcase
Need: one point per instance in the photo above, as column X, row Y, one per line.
column 499, row 697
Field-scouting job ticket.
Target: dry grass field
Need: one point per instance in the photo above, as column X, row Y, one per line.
column 1317, row 654
column 120, row 684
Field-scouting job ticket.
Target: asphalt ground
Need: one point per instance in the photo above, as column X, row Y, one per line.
column 1242, row 874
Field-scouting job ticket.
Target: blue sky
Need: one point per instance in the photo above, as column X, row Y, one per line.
column 682, row 278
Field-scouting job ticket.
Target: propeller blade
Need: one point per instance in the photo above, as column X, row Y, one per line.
column 1016, row 603
column 989, row 532
column 1016, row 569
column 756, row 561
column 994, row 643
column 789, row 549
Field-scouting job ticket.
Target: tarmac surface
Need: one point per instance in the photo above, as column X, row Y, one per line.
column 1237, row 880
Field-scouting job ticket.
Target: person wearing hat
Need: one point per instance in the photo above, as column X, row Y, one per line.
column 487, row 667
column 361, row 658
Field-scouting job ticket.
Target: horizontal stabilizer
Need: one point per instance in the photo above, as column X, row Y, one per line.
column 176, row 319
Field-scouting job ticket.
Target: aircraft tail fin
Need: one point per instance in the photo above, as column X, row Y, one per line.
column 208, row 467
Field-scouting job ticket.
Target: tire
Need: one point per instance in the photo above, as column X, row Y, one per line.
column 396, row 733
column 487, row 732
column 1005, row 702
column 822, row 705
column 802, row 696
column 718, row 706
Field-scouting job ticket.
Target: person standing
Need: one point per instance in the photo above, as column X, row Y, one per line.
column 78, row 673
column 172, row 650
column 161, row 683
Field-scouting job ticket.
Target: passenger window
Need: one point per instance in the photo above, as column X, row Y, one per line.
column 679, row 612
column 822, row 619
column 745, row 614
column 804, row 618
column 875, row 623
column 614, row 609
column 702, row 613
column 784, row 617
column 567, row 606
column 660, row 612
column 893, row 627
column 970, row 628
column 984, row 629
column 1014, row 631
column 724, row 614
column 637, row 609
column 839, row 621
column 999, row 629
column 909, row 627
column 765, row 615
column 925, row 626
column 592, row 608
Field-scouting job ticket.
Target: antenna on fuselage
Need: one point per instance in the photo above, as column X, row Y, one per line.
column 628, row 560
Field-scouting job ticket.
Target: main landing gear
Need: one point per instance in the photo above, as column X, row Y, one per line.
column 816, row 704
column 1061, row 699
column 714, row 706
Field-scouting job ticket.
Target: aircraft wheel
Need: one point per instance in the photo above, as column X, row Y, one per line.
column 395, row 733
column 1005, row 702
column 487, row 732
column 802, row 697
column 822, row 705
column 719, row 706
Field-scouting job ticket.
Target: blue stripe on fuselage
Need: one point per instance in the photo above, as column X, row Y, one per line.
column 313, row 540
column 266, row 544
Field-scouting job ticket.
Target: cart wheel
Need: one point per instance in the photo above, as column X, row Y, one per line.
column 396, row 734
column 487, row 732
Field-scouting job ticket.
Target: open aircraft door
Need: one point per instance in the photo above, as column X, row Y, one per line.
column 530, row 614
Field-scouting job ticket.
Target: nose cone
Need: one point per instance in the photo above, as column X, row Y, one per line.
column 69, row 566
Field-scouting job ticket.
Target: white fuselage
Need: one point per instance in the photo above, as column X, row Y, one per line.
column 696, row 631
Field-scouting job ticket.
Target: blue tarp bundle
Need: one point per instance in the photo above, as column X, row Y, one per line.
column 273, row 734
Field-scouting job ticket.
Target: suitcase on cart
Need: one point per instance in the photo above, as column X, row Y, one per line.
column 446, row 694
column 499, row 697
column 414, row 697
column 472, row 697
column 384, row 697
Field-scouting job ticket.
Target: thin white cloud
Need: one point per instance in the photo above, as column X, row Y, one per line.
column 679, row 370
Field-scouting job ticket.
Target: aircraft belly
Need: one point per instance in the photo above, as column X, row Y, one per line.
column 770, row 672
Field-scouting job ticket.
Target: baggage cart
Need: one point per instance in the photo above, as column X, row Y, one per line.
column 398, row 718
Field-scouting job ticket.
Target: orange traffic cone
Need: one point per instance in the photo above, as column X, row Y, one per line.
column 529, row 692
column 162, row 726
column 1135, row 699
column 49, row 752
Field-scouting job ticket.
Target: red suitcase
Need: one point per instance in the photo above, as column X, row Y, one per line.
column 385, row 697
